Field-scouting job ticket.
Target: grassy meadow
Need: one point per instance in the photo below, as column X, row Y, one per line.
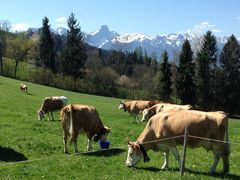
column 32, row 149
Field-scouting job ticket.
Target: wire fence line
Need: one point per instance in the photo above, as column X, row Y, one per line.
column 120, row 147
column 164, row 139
column 209, row 139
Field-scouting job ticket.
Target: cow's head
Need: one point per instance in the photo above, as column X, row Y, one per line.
column 135, row 153
column 122, row 106
column 102, row 135
column 25, row 88
column 147, row 114
column 40, row 114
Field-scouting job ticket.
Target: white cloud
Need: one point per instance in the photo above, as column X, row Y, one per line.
column 203, row 27
column 61, row 19
column 61, row 22
column 19, row 27
column 216, row 30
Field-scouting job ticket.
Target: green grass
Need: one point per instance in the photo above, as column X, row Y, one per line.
column 39, row 143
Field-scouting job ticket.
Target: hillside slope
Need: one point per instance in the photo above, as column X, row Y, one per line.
column 39, row 143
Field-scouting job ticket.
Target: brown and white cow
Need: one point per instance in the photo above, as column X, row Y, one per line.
column 161, row 107
column 23, row 87
column 51, row 104
column 213, row 125
column 79, row 118
column 136, row 107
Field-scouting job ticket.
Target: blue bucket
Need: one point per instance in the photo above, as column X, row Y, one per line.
column 104, row 144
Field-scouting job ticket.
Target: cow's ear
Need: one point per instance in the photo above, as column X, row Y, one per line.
column 95, row 138
column 108, row 130
column 68, row 109
column 129, row 143
column 161, row 108
column 136, row 146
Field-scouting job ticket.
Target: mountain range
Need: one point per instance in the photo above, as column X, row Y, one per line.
column 152, row 46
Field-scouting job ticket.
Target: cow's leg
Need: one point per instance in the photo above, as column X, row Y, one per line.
column 135, row 118
column 75, row 146
column 52, row 116
column 48, row 116
column 225, row 157
column 166, row 160
column 215, row 163
column 225, row 164
column 176, row 155
column 65, row 137
column 89, row 146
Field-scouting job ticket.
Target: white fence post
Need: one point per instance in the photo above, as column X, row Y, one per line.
column 184, row 150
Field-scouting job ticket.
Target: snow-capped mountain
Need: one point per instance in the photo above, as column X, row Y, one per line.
column 172, row 43
column 153, row 46
column 61, row 31
column 101, row 37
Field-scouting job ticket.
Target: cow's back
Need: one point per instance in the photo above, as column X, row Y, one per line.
column 139, row 105
column 52, row 104
column 172, row 123
column 85, row 118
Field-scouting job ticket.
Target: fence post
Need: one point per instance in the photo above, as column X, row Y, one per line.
column 184, row 150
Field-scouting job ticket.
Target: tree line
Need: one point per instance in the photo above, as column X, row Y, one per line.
column 203, row 79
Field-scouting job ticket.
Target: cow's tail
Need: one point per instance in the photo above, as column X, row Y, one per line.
column 227, row 144
column 226, row 150
column 70, row 113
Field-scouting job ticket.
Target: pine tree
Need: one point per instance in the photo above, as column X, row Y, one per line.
column 46, row 47
column 185, row 85
column 74, row 53
column 163, row 77
column 230, row 66
column 206, row 69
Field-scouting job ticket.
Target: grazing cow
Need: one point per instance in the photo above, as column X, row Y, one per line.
column 213, row 125
column 136, row 107
column 23, row 87
column 51, row 104
column 162, row 107
column 79, row 118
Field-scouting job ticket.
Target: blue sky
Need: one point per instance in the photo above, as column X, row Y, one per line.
column 150, row 17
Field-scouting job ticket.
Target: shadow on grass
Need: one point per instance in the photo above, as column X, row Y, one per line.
column 105, row 152
column 154, row 169
column 29, row 93
column 217, row 174
column 10, row 155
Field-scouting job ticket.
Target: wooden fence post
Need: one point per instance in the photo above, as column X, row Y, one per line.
column 184, row 150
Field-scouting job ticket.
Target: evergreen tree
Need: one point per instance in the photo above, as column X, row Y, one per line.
column 163, row 84
column 154, row 65
column 46, row 47
column 74, row 53
column 186, row 88
column 206, row 69
column 230, row 66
